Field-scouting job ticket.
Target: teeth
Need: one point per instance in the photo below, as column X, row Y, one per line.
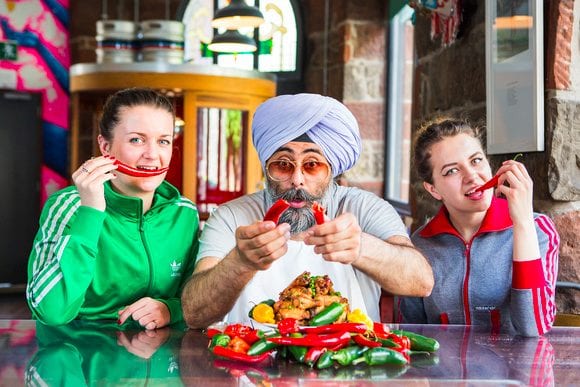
column 148, row 168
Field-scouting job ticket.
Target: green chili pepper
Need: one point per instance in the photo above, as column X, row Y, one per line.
column 297, row 352
column 219, row 340
column 282, row 352
column 382, row 355
column 424, row 359
column 261, row 346
column 346, row 355
column 419, row 342
column 389, row 343
column 328, row 315
column 325, row 360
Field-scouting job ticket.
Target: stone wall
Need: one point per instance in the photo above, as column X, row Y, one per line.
column 345, row 59
column 451, row 81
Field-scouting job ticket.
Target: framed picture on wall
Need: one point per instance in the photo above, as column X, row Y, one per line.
column 514, row 76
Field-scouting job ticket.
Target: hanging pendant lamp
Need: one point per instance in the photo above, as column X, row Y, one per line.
column 232, row 41
column 237, row 15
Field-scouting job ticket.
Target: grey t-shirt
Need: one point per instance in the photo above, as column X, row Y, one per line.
column 375, row 216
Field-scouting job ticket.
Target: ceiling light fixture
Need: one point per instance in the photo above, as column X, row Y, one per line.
column 237, row 14
column 232, row 41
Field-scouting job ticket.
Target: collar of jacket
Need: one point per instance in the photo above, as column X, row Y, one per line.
column 132, row 207
column 496, row 219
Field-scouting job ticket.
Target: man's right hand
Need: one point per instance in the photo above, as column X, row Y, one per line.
column 261, row 243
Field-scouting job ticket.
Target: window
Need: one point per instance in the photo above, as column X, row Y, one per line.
column 280, row 40
column 198, row 32
column 399, row 103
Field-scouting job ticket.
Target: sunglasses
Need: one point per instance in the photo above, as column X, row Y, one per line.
column 282, row 170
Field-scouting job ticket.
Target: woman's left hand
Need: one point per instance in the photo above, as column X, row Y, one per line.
column 519, row 192
column 150, row 313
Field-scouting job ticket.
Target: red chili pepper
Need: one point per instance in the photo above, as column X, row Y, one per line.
column 318, row 211
column 312, row 340
column 493, row 181
column 277, row 210
column 288, row 325
column 313, row 354
column 245, row 332
column 381, row 330
column 489, row 184
column 338, row 346
column 240, row 368
column 233, row 355
column 402, row 341
column 211, row 332
column 135, row 172
column 338, row 327
column 364, row 341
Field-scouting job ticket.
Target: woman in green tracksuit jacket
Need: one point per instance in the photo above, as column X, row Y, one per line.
column 121, row 242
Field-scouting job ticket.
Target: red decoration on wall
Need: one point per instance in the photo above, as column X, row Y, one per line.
column 445, row 20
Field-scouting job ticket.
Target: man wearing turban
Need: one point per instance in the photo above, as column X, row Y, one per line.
column 303, row 142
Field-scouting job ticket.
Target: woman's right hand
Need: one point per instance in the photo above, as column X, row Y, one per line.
column 90, row 178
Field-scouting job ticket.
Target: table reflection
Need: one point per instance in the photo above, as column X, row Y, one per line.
column 83, row 353
column 101, row 353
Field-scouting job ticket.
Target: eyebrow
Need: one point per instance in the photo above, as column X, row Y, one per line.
column 455, row 163
column 145, row 135
column 307, row 150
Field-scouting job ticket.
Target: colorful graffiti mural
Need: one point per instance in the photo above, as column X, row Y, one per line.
column 39, row 29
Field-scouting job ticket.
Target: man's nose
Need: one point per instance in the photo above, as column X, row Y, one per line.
column 297, row 176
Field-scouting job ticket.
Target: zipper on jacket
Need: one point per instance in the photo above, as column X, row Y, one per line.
column 466, row 310
column 147, row 251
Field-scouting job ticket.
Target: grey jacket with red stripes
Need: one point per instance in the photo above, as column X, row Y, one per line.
column 478, row 283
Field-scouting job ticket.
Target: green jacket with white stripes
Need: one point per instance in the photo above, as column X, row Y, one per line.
column 89, row 264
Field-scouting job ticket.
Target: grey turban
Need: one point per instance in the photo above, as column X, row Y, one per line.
column 326, row 121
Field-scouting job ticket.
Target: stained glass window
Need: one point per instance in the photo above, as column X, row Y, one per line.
column 278, row 43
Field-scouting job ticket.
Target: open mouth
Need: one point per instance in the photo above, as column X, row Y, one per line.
column 297, row 204
column 140, row 171
column 473, row 194
column 147, row 168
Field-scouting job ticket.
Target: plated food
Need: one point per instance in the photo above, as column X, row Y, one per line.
column 310, row 300
column 312, row 324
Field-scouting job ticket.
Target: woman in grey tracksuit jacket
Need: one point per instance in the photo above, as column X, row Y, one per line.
column 494, row 260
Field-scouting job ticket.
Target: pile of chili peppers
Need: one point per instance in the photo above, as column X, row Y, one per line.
column 320, row 347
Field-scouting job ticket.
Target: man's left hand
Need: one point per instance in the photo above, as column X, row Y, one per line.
column 337, row 240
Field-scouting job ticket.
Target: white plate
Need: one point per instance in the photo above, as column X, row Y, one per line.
column 269, row 326
column 264, row 326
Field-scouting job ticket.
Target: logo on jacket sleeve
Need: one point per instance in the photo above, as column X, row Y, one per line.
column 175, row 268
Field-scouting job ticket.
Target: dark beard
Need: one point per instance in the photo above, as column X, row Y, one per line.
column 299, row 219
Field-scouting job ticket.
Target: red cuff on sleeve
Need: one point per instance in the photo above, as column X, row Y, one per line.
column 528, row 274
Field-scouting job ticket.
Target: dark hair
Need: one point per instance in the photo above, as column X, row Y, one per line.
column 434, row 131
column 136, row 96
